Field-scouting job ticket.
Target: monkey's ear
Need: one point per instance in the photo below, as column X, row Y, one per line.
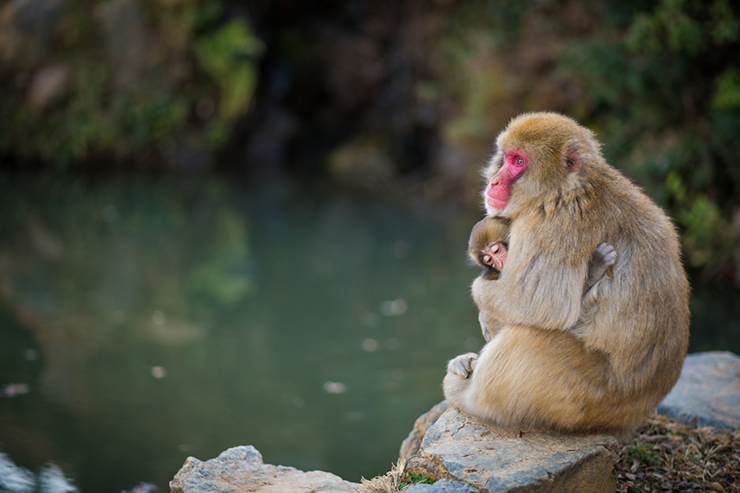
column 571, row 159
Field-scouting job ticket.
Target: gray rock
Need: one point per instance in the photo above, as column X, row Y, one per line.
column 240, row 469
column 708, row 391
column 460, row 448
column 411, row 445
column 441, row 486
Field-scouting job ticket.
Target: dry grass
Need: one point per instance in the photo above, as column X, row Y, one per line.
column 669, row 456
column 390, row 482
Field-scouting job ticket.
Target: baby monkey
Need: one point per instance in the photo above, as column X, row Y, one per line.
column 489, row 246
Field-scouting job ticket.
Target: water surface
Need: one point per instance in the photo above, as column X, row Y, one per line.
column 143, row 321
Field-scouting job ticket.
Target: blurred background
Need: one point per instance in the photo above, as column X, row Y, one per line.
column 245, row 222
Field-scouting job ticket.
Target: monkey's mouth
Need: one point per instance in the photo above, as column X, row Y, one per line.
column 495, row 203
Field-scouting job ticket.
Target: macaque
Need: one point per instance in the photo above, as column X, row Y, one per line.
column 559, row 360
column 488, row 247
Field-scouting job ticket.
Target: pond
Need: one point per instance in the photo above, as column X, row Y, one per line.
column 143, row 321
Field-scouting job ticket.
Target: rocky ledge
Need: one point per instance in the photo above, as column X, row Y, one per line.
column 466, row 456
column 460, row 448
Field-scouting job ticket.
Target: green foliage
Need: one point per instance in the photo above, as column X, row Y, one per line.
column 416, row 478
column 667, row 97
column 708, row 239
column 642, row 453
column 134, row 83
column 659, row 84
column 684, row 26
column 728, row 90
column 224, row 55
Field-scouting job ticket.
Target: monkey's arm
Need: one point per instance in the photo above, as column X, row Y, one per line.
column 532, row 306
column 489, row 325
column 538, row 288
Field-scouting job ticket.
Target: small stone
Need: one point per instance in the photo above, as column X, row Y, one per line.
column 716, row 487
column 241, row 470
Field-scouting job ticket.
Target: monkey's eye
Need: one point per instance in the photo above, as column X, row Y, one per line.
column 519, row 161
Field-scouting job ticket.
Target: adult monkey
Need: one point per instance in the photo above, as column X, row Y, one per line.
column 556, row 362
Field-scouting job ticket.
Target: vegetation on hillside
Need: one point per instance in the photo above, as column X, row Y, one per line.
column 401, row 98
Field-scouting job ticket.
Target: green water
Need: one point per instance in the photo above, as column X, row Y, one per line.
column 145, row 321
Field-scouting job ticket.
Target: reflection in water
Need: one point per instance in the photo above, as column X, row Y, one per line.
column 142, row 322
column 165, row 320
column 14, row 479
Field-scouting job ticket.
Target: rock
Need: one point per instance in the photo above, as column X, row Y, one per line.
column 460, row 448
column 240, row 469
column 411, row 445
column 441, row 486
column 708, row 391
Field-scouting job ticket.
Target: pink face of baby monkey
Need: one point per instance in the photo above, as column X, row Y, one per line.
column 494, row 255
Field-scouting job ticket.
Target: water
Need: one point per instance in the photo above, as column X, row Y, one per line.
column 145, row 321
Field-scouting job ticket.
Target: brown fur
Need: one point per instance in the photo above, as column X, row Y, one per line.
column 558, row 360
column 490, row 230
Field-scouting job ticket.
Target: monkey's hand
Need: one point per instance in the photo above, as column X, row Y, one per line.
column 463, row 365
column 607, row 253
column 484, row 327
column 601, row 265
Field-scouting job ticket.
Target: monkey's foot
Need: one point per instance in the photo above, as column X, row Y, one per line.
column 463, row 365
column 608, row 254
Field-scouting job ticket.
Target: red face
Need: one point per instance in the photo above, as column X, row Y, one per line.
column 499, row 190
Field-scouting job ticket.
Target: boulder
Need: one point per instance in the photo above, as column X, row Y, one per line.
column 240, row 469
column 708, row 392
column 411, row 445
column 460, row 448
